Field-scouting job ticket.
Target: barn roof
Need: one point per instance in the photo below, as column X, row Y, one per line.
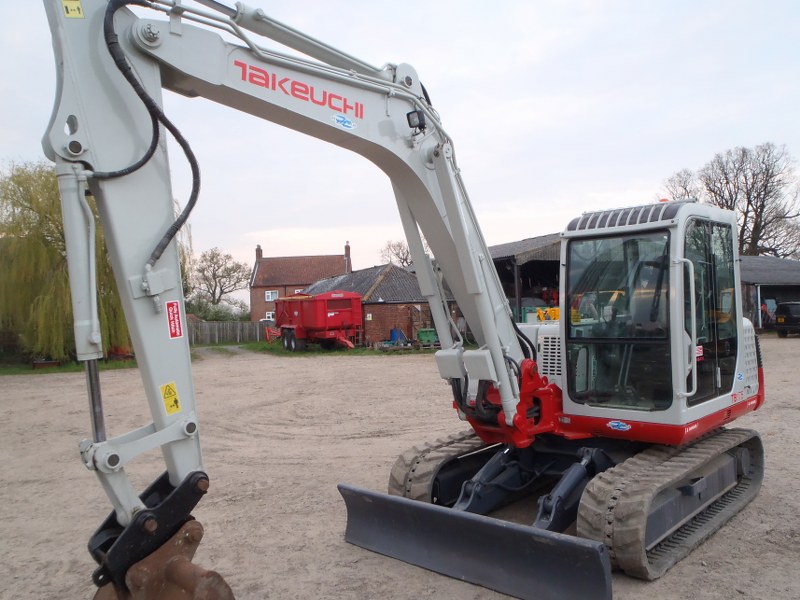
column 543, row 247
column 383, row 283
column 769, row 270
column 756, row 270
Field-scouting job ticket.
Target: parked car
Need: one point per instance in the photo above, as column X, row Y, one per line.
column 787, row 318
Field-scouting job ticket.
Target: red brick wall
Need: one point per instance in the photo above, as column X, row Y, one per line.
column 380, row 319
column 259, row 306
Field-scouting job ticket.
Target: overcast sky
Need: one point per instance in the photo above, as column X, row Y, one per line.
column 555, row 107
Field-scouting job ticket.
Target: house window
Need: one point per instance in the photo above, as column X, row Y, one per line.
column 270, row 316
column 298, row 291
column 271, row 295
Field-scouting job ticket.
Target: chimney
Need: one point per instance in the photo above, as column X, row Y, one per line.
column 348, row 266
column 259, row 254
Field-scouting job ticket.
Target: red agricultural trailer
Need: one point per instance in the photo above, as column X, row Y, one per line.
column 329, row 319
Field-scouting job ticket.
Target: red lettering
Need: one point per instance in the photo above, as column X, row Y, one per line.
column 300, row 90
column 323, row 101
column 243, row 67
column 259, row 77
column 330, row 102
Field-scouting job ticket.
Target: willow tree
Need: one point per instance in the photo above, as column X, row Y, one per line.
column 35, row 298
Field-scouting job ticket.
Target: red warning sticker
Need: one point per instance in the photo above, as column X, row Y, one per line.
column 174, row 319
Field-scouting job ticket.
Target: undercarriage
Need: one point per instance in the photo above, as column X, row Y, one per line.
column 643, row 506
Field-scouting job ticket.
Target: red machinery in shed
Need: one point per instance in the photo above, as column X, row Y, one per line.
column 329, row 319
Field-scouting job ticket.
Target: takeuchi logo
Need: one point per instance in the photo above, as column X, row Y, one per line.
column 299, row 90
column 618, row 425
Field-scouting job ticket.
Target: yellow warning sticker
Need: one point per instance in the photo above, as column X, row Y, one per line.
column 72, row 9
column 169, row 393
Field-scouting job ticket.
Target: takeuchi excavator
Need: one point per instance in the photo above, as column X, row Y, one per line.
column 614, row 416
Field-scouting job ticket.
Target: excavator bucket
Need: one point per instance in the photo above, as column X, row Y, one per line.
column 507, row 557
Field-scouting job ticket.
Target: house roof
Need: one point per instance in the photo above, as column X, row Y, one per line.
column 383, row 283
column 769, row 270
column 543, row 247
column 295, row 270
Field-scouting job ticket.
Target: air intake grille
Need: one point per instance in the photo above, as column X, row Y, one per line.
column 549, row 358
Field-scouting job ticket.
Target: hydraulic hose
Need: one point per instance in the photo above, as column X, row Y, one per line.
column 156, row 116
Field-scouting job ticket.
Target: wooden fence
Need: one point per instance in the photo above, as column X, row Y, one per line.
column 224, row 332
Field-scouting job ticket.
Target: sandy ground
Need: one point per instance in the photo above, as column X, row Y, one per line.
column 280, row 433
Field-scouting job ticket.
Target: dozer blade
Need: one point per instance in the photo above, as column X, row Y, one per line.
column 507, row 557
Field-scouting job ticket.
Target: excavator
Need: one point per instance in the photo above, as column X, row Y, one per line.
column 614, row 416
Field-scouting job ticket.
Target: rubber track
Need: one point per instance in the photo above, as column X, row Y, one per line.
column 415, row 470
column 615, row 504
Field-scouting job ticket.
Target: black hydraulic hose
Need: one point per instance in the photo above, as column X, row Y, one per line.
column 124, row 67
column 157, row 116
column 458, row 395
column 528, row 349
column 425, row 94
column 515, row 366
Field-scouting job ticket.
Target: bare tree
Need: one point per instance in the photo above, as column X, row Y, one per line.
column 761, row 185
column 682, row 185
column 398, row 252
column 217, row 275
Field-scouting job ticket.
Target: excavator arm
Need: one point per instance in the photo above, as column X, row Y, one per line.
column 107, row 137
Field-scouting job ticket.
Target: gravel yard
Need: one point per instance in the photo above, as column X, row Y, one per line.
column 280, row 432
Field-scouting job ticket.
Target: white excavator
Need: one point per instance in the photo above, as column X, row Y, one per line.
column 613, row 415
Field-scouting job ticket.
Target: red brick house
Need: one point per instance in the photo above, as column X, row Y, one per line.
column 278, row 276
column 390, row 297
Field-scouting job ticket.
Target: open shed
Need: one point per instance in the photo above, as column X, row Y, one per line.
column 768, row 280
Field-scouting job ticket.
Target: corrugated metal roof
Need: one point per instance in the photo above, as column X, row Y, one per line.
column 769, row 270
column 543, row 247
column 384, row 283
column 296, row 270
column 761, row 270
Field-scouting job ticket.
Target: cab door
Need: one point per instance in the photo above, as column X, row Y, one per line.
column 709, row 247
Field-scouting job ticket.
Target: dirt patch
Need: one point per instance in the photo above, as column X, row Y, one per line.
column 278, row 435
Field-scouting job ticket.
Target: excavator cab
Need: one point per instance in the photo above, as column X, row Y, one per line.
column 668, row 346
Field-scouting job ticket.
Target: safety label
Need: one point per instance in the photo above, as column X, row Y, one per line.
column 72, row 9
column 173, row 310
column 169, row 393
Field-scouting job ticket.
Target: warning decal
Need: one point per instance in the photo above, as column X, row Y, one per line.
column 174, row 319
column 169, row 393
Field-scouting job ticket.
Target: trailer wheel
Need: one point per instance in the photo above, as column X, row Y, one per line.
column 292, row 342
column 285, row 338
